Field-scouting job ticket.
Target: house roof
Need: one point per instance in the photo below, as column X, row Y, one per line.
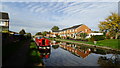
column 73, row 27
column 56, row 31
column 4, row 15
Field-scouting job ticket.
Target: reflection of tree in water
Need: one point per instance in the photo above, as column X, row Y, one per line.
column 55, row 46
column 104, row 51
column 112, row 62
column 99, row 51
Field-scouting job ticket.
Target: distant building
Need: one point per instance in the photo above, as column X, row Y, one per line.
column 73, row 31
column 54, row 33
column 4, row 22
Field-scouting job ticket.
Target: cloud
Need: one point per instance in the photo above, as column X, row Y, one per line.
column 39, row 16
column 60, row 0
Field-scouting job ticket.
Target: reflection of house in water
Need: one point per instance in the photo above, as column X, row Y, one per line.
column 78, row 52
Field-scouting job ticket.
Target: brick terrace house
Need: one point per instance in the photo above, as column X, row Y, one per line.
column 54, row 33
column 73, row 31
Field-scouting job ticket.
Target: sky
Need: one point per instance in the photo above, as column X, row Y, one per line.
column 42, row 16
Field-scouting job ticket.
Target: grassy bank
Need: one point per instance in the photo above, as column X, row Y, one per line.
column 34, row 59
column 112, row 43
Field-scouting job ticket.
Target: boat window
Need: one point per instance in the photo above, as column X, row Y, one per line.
column 39, row 37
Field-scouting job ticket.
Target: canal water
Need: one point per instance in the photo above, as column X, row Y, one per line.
column 67, row 54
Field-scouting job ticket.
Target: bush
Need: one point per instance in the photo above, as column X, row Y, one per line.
column 57, row 36
column 68, row 37
column 83, row 35
column 97, row 38
column 108, row 37
column 83, row 39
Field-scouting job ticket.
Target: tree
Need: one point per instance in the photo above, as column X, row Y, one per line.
column 83, row 35
column 38, row 33
column 29, row 35
column 44, row 33
column 22, row 32
column 111, row 25
column 55, row 28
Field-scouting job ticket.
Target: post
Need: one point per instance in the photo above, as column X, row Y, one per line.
column 95, row 42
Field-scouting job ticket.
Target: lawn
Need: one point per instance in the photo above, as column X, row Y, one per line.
column 112, row 43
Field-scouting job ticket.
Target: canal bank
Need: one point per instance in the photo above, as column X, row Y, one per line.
column 33, row 56
column 91, row 45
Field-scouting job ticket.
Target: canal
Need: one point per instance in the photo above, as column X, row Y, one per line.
column 67, row 54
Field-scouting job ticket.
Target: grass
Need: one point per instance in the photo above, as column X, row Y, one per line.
column 33, row 45
column 112, row 43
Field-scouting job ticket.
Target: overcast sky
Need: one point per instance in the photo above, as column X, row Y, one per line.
column 42, row 16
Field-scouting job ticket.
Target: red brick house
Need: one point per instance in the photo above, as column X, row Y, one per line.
column 73, row 31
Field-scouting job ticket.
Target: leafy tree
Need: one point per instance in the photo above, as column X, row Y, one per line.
column 38, row 33
column 111, row 25
column 22, row 32
column 55, row 28
column 83, row 35
column 29, row 35
column 44, row 33
column 95, row 31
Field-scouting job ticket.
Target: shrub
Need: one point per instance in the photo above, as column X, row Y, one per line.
column 97, row 38
column 68, row 37
column 57, row 36
column 108, row 37
column 83, row 35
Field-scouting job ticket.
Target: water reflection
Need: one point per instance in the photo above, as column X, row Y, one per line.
column 113, row 61
column 84, row 51
column 45, row 53
column 73, row 49
column 55, row 46
column 64, row 54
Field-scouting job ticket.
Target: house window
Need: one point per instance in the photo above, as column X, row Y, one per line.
column 76, row 30
column 85, row 30
column 67, row 31
column 73, row 30
column 70, row 30
column 2, row 22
